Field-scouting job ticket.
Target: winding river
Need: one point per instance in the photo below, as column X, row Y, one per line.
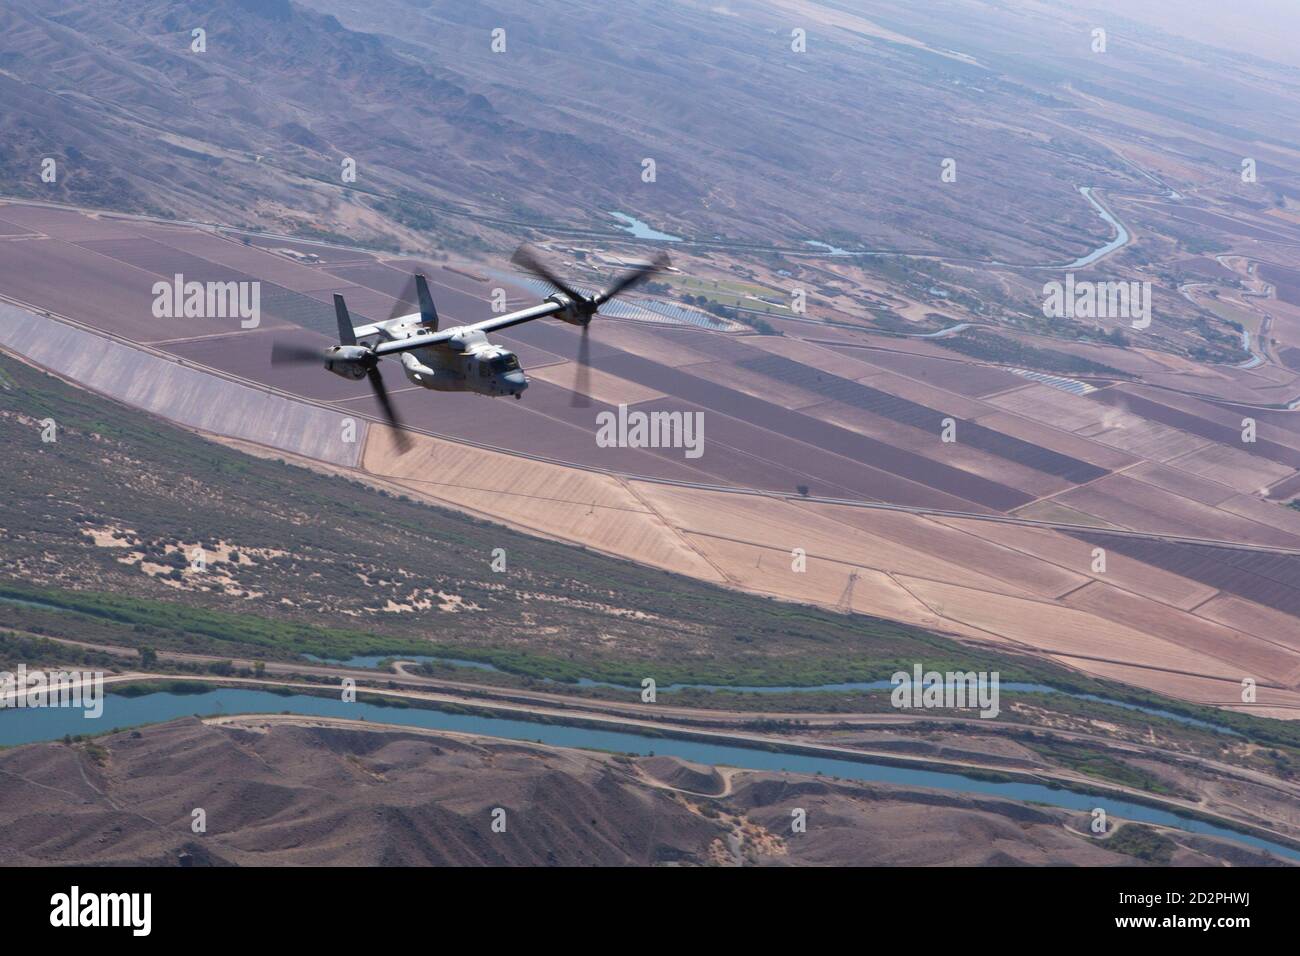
column 377, row 661
column 1121, row 233
column 817, row 248
column 45, row 724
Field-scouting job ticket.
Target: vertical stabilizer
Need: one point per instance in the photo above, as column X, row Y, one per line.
column 428, row 311
column 346, row 335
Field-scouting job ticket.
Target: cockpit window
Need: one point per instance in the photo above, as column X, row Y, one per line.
column 505, row 363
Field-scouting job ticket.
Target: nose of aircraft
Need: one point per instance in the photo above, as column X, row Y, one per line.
column 516, row 382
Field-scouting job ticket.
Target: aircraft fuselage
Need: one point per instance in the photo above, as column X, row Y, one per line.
column 467, row 362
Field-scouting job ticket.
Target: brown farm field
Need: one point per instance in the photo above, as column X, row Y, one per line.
column 829, row 449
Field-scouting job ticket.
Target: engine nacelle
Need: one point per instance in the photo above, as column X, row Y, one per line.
column 349, row 361
column 572, row 313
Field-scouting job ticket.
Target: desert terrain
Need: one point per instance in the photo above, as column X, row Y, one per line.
column 905, row 454
column 316, row 792
column 833, row 449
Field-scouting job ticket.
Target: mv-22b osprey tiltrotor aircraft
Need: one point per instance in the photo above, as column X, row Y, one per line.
column 459, row 359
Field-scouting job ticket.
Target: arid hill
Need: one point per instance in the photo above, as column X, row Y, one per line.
column 290, row 790
column 752, row 139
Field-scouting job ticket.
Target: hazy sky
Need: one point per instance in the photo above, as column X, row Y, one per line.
column 1266, row 28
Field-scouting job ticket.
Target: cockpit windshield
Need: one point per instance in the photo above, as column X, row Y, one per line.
column 505, row 363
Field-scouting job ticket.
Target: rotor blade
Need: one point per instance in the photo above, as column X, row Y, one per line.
column 376, row 379
column 526, row 260
column 291, row 353
column 407, row 302
column 634, row 277
column 582, row 375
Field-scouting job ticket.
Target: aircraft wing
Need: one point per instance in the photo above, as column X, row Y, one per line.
column 566, row 299
column 497, row 322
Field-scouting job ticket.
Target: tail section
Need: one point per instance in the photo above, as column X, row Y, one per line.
column 428, row 311
column 347, row 336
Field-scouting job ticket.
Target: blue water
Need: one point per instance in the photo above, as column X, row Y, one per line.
column 1121, row 234
column 376, row 661
column 832, row 250
column 942, row 333
column 1255, row 359
column 40, row 604
column 642, row 231
column 1157, row 712
column 373, row 661
column 31, row 726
